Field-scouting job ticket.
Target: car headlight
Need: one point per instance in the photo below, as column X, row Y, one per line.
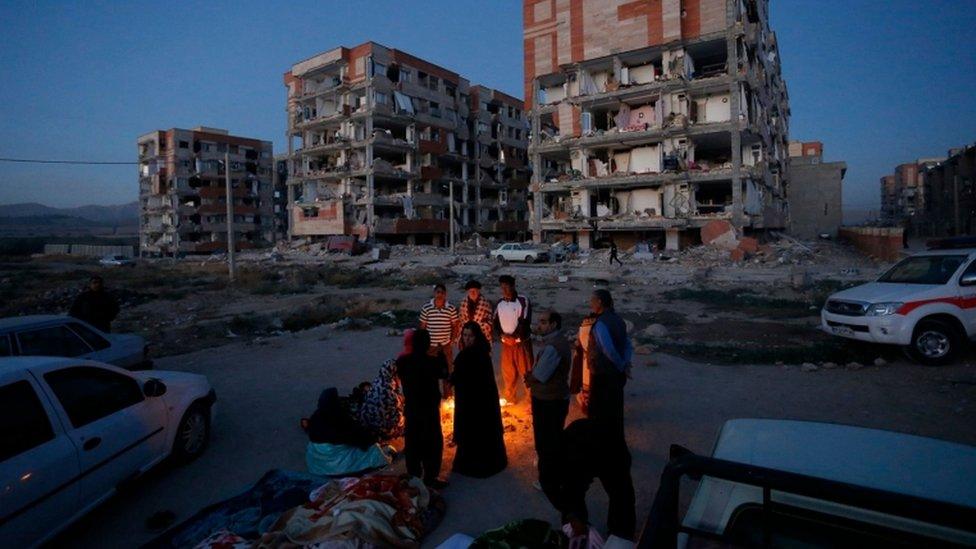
column 883, row 309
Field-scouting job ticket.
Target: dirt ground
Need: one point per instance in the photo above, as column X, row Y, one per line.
column 715, row 341
column 264, row 388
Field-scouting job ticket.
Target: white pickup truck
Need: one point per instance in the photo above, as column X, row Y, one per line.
column 925, row 303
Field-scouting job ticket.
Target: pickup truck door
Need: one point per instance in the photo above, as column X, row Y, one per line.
column 39, row 470
column 118, row 431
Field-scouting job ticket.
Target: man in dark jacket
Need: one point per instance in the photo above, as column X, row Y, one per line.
column 609, row 352
column 591, row 452
column 95, row 306
column 548, row 383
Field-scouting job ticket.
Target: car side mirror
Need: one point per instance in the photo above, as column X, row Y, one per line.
column 154, row 388
column 968, row 279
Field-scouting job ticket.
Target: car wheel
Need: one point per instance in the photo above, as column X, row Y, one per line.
column 501, row 259
column 193, row 433
column 934, row 343
column 529, row 259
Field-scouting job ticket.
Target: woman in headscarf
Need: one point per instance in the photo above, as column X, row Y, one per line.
column 337, row 444
column 382, row 410
column 477, row 416
column 419, row 375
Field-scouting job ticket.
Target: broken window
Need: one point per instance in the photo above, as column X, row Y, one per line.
column 184, row 144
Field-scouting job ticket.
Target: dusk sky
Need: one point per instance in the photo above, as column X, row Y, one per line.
column 879, row 82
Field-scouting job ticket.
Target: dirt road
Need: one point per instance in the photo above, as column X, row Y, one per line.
column 264, row 388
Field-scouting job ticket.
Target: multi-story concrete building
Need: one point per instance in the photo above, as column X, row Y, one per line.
column 949, row 186
column 815, row 191
column 650, row 118
column 903, row 194
column 380, row 142
column 280, row 196
column 182, row 191
column 889, row 198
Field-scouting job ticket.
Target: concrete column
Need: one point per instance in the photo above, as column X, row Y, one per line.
column 672, row 239
column 288, row 207
column 535, row 161
column 584, row 240
column 733, row 55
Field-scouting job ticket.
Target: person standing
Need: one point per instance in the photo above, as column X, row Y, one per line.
column 96, row 306
column 548, row 384
column 513, row 321
column 477, row 308
column 477, row 418
column 591, row 452
column 613, row 253
column 424, row 441
column 609, row 353
column 441, row 320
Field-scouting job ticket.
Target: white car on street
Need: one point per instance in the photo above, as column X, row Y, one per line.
column 925, row 303
column 54, row 335
column 73, row 431
column 520, row 252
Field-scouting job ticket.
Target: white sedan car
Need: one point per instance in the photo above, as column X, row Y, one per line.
column 55, row 335
column 520, row 252
column 73, row 431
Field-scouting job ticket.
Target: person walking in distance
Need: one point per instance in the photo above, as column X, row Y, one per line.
column 442, row 321
column 423, row 438
column 476, row 308
column 613, row 254
column 513, row 321
column 548, row 384
column 96, row 306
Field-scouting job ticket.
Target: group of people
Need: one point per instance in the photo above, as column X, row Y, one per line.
column 569, row 457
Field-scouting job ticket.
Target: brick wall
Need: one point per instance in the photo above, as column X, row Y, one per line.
column 883, row 243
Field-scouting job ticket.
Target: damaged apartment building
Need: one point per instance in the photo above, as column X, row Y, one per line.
column 182, row 191
column 652, row 118
column 387, row 146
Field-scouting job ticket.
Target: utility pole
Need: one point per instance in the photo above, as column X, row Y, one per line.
column 230, row 218
column 450, row 195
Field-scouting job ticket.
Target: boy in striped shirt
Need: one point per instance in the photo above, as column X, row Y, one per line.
column 443, row 321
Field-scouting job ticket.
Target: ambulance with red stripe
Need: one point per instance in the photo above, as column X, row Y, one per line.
column 925, row 303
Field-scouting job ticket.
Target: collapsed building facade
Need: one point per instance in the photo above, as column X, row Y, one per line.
column 651, row 118
column 182, row 191
column 381, row 143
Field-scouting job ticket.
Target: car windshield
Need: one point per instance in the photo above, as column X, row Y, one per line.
column 924, row 269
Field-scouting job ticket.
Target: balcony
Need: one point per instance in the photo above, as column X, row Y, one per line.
column 407, row 226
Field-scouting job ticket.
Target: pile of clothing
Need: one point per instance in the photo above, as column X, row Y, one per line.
column 286, row 509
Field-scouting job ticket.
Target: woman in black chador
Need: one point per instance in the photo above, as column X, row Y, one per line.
column 477, row 416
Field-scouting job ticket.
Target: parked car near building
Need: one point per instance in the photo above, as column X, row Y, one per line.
column 74, row 431
column 528, row 253
column 781, row 483
column 925, row 303
column 54, row 335
column 117, row 261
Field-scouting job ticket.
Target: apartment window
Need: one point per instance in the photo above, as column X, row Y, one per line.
column 450, row 90
column 184, row 144
column 381, row 98
column 406, row 75
column 234, row 149
column 221, row 147
column 434, row 83
column 378, row 69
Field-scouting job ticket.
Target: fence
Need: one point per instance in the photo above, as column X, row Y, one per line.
column 88, row 250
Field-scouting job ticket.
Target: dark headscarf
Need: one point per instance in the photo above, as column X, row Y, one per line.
column 331, row 424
